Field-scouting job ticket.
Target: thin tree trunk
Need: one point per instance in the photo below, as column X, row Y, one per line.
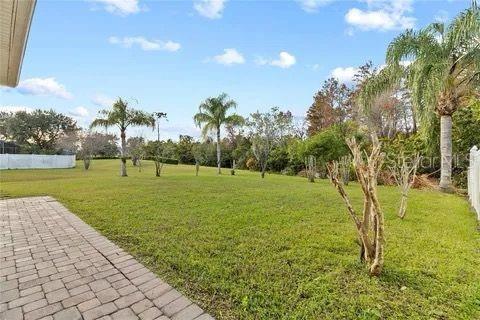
column 219, row 152
column 377, row 265
column 446, row 153
column 403, row 206
column 263, row 167
column 232, row 172
column 310, row 168
column 86, row 163
column 123, row 165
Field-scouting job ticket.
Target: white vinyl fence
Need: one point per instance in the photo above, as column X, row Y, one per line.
column 474, row 180
column 36, row 161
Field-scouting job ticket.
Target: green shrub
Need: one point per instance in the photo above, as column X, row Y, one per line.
column 465, row 135
column 325, row 146
column 278, row 159
column 409, row 146
column 251, row 164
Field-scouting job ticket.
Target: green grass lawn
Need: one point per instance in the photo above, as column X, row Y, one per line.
column 278, row 248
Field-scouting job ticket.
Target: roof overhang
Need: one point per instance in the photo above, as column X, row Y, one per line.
column 15, row 19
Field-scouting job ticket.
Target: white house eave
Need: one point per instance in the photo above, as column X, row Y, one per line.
column 15, row 19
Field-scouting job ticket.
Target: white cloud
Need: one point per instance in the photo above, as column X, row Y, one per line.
column 312, row 6
column 145, row 44
column 43, row 87
column 211, row 9
column 285, row 60
column 171, row 46
column 15, row 109
column 344, row 75
column 102, row 101
column 229, row 57
column 80, row 112
column 120, row 7
column 382, row 15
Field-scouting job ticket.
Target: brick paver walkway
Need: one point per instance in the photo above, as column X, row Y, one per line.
column 54, row 266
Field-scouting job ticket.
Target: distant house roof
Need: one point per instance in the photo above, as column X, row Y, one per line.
column 15, row 19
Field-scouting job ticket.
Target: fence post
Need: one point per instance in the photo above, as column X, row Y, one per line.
column 474, row 180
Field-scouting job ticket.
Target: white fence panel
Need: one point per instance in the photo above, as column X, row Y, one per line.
column 474, row 180
column 36, row 161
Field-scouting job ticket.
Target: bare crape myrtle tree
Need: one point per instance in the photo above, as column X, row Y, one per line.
column 159, row 152
column 88, row 145
column 403, row 171
column 370, row 225
column 136, row 151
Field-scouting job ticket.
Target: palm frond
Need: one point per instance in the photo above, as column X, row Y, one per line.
column 202, row 117
column 140, row 118
column 384, row 81
column 465, row 27
column 105, row 123
column 235, row 120
column 207, row 128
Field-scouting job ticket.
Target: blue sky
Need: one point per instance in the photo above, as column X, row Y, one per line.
column 171, row 55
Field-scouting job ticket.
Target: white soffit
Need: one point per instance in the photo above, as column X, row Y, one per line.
column 15, row 19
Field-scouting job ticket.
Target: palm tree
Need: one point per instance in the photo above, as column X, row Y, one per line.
column 443, row 76
column 212, row 115
column 122, row 117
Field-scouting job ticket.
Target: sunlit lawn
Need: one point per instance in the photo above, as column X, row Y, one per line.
column 278, row 248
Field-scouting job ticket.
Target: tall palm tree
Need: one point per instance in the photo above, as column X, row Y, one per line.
column 212, row 115
column 122, row 117
column 444, row 74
